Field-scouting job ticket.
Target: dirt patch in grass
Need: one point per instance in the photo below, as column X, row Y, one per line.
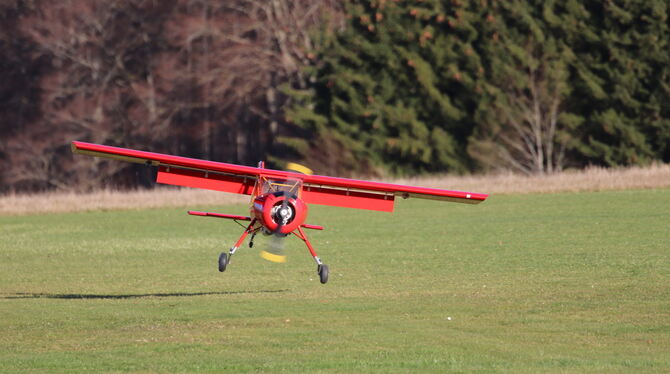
column 591, row 179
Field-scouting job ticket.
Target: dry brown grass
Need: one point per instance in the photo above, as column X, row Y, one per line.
column 592, row 179
column 57, row 202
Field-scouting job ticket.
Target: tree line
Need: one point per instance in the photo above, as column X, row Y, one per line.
column 350, row 88
column 196, row 78
column 524, row 85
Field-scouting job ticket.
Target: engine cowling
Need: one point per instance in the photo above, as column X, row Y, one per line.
column 271, row 210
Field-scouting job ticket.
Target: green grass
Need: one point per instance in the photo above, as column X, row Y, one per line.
column 534, row 283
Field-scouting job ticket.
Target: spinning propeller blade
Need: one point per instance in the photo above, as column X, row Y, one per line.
column 275, row 251
column 292, row 166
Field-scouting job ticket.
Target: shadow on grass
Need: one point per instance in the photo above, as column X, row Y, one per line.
column 75, row 296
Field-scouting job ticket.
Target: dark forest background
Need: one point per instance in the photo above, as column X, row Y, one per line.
column 349, row 88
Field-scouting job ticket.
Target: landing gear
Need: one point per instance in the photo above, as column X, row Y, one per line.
column 223, row 261
column 322, row 269
column 323, row 273
column 224, row 258
column 251, row 241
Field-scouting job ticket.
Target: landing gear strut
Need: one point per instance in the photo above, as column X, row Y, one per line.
column 224, row 258
column 321, row 268
column 251, row 241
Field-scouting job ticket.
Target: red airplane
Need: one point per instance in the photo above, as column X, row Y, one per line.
column 278, row 198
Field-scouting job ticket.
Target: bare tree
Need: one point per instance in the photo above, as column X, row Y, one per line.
column 192, row 77
column 525, row 127
column 238, row 54
column 97, row 86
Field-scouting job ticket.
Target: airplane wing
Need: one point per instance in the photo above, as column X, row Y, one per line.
column 352, row 193
column 181, row 171
column 242, row 218
column 317, row 189
column 219, row 215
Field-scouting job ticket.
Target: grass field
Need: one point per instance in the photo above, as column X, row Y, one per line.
column 521, row 283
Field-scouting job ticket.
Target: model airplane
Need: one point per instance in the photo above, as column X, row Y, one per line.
column 278, row 198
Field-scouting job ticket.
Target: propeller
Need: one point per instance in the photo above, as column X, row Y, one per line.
column 282, row 214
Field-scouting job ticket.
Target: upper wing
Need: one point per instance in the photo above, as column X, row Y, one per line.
column 317, row 189
column 353, row 193
column 181, row 171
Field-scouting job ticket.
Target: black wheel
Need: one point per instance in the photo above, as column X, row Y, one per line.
column 223, row 261
column 323, row 273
